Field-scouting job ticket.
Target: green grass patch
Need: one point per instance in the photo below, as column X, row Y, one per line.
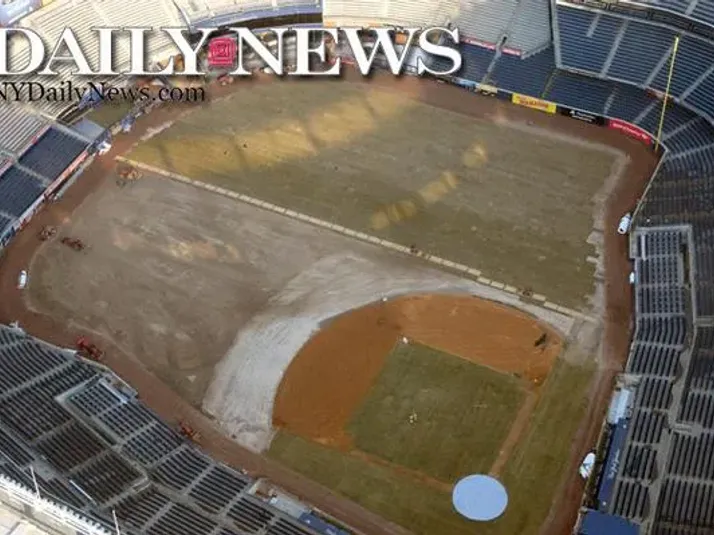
column 395, row 496
column 463, row 413
column 531, row 476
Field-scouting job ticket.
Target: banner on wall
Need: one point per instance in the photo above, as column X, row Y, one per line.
column 511, row 51
column 582, row 116
column 630, row 130
column 477, row 42
column 534, row 103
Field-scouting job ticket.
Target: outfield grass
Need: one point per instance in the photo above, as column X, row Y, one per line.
column 531, row 475
column 516, row 205
column 464, row 412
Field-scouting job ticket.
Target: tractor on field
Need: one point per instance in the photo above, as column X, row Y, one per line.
column 88, row 350
column 48, row 232
column 188, row 432
column 224, row 79
column 127, row 174
column 73, row 243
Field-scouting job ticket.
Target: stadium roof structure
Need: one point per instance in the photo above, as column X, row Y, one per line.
column 12, row 523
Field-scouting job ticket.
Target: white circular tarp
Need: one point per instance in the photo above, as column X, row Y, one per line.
column 479, row 497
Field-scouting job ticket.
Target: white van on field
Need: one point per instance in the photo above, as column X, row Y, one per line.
column 625, row 222
column 22, row 280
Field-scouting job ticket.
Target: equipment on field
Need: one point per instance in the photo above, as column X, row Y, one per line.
column 47, row 232
column 225, row 79
column 88, row 350
column 187, row 431
column 130, row 173
column 127, row 174
column 73, row 243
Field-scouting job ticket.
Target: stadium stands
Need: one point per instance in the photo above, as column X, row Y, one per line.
column 225, row 12
column 484, row 21
column 529, row 76
column 476, row 61
column 637, row 52
column 20, row 127
column 52, row 153
column 697, row 10
column 530, row 29
column 580, row 92
column 586, row 38
column 92, row 445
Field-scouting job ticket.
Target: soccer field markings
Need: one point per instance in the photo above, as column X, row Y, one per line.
column 471, row 272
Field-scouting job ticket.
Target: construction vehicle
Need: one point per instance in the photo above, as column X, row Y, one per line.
column 47, row 232
column 88, row 350
column 224, row 79
column 127, row 174
column 187, row 431
column 73, row 243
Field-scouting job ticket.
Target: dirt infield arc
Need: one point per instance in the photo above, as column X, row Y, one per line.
column 333, row 372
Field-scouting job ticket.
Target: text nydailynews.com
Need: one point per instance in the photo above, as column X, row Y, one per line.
column 68, row 91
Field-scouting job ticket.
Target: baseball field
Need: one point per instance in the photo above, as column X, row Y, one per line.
column 367, row 370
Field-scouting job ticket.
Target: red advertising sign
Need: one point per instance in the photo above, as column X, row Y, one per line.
column 511, row 51
column 477, row 42
column 630, row 130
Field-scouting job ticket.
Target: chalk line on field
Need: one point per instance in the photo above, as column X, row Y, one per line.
column 467, row 271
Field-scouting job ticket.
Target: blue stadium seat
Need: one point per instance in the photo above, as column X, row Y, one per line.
column 694, row 57
column 704, row 10
column 476, row 61
column 575, row 91
column 640, row 52
column 628, row 103
column 53, row 153
column 697, row 133
column 586, row 38
column 529, row 76
column 18, row 190
column 702, row 98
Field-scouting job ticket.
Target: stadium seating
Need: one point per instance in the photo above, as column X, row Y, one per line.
column 20, row 127
column 637, row 53
column 53, row 153
column 696, row 60
column 701, row 10
column 587, row 94
column 642, row 51
column 586, row 38
column 94, row 447
column 476, row 61
column 225, row 12
column 485, row 21
column 704, row 11
column 530, row 29
column 529, row 76
column 18, row 190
